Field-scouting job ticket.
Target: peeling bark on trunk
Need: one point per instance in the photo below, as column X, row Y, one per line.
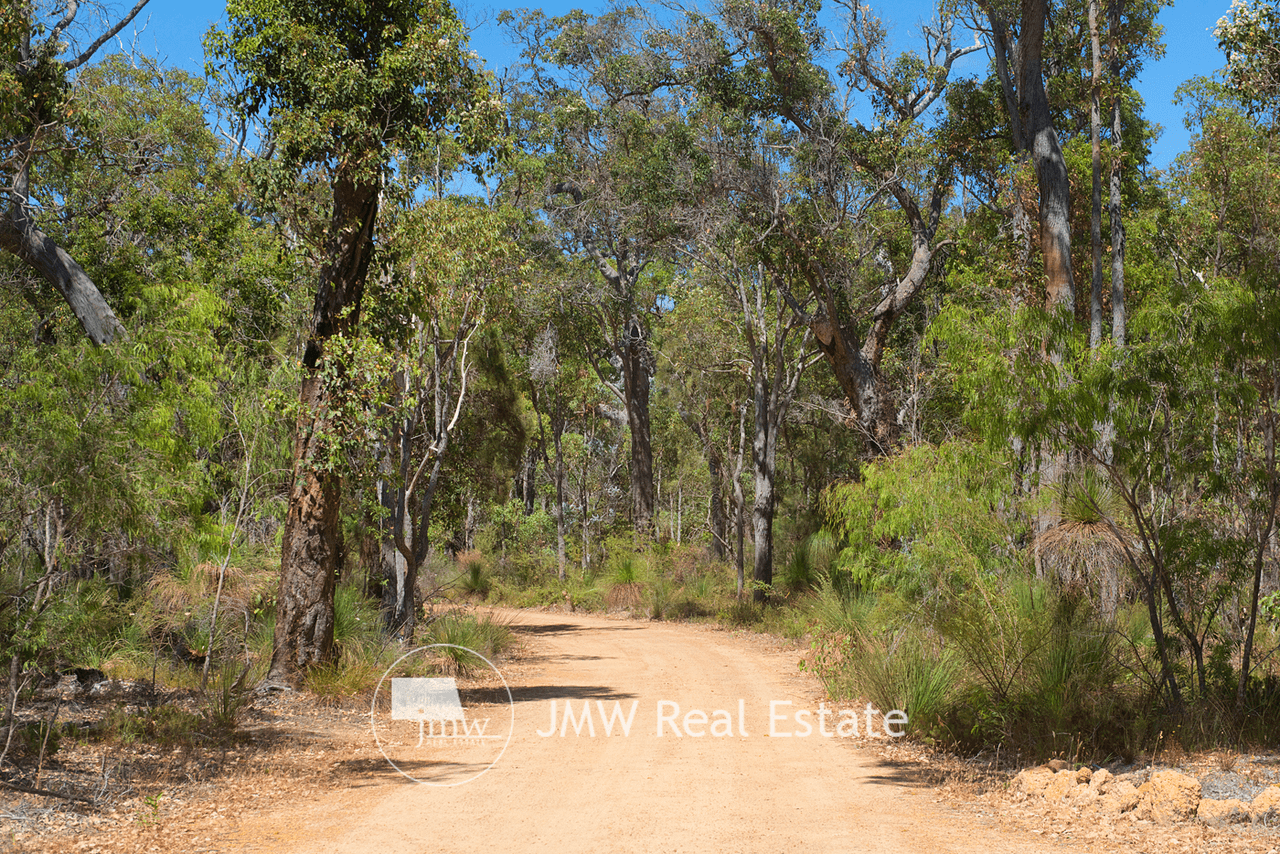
column 311, row 547
column 308, row 557
column 1050, row 165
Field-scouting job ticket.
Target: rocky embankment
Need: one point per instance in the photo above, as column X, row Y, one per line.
column 1162, row 796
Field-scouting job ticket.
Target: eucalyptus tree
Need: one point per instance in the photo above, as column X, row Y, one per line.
column 705, row 382
column 608, row 158
column 345, row 87
column 1018, row 50
column 35, row 109
column 555, row 340
column 450, row 273
column 766, row 62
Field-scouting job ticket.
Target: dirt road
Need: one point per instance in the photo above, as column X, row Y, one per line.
column 642, row 792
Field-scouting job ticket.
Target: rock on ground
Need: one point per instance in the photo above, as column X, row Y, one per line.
column 1168, row 796
column 1219, row 813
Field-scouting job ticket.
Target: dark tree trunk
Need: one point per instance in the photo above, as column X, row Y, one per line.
column 529, row 480
column 715, row 508
column 309, row 556
column 635, row 385
column 557, row 432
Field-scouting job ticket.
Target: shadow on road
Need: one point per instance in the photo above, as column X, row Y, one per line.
column 566, row 628
column 535, row 693
column 904, row 774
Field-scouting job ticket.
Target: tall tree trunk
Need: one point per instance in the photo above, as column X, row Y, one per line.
column 557, row 431
column 740, row 503
column 1118, row 318
column 764, row 463
column 635, row 384
column 715, row 504
column 1095, row 216
column 397, row 461
column 311, row 537
column 1050, row 165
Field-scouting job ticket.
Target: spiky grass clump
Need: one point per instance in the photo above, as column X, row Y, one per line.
column 183, row 607
column 479, row 633
column 473, row 576
column 1089, row 545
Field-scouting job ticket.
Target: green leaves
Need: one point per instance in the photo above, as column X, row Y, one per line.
column 1250, row 37
column 351, row 83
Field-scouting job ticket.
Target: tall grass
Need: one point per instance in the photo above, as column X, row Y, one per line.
column 482, row 634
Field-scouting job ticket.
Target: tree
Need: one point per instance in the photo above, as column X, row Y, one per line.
column 609, row 160
column 34, row 109
column 1019, row 51
column 861, row 282
column 346, row 86
column 454, row 266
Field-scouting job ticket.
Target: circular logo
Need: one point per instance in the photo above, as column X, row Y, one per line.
column 442, row 730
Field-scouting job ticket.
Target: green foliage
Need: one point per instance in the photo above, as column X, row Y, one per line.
column 166, row 725
column 355, row 617
column 626, row 568
column 473, row 579
column 928, row 515
column 1250, row 37
column 348, row 84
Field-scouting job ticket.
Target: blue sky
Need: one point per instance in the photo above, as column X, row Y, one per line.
column 174, row 29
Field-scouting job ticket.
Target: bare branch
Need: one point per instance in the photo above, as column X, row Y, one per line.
column 105, row 37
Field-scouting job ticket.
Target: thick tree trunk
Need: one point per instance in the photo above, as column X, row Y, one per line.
column 1050, row 165
column 311, row 547
column 308, row 557
column 764, row 463
column 635, row 385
